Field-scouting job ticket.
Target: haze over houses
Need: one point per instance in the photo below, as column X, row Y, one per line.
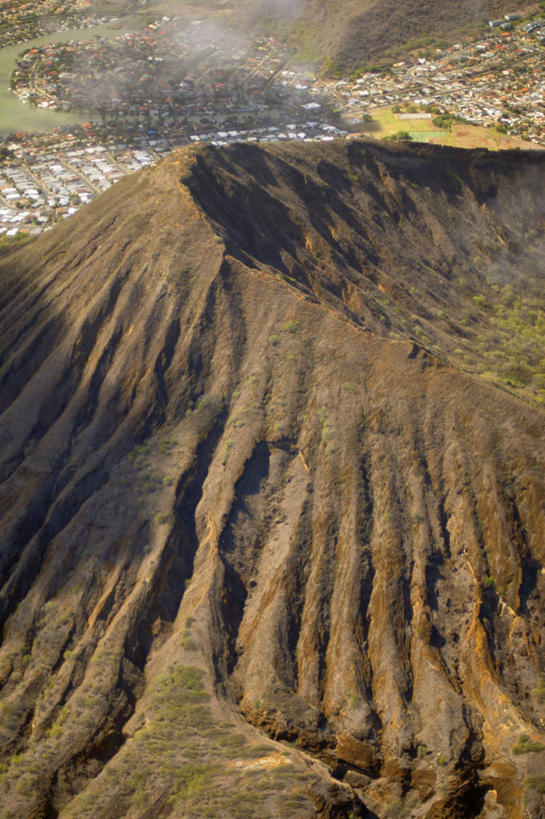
column 21, row 21
column 176, row 83
column 168, row 71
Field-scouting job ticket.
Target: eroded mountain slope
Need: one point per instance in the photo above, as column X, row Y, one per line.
column 259, row 557
column 444, row 246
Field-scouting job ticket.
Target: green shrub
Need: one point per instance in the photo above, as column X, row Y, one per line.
column 540, row 690
column 443, row 121
column 55, row 730
column 401, row 136
column 536, row 783
column 188, row 643
column 204, row 402
column 326, row 434
column 290, row 327
column 232, row 741
column 526, row 745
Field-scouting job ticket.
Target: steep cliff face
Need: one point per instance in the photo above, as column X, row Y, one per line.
column 264, row 552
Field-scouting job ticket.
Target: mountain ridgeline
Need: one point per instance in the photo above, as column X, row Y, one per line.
column 273, row 490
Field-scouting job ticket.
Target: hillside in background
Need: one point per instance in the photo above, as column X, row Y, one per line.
column 359, row 33
column 273, row 490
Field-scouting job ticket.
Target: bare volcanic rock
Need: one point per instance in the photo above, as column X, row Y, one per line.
column 270, row 544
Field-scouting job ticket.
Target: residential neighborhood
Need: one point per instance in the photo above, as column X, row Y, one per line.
column 496, row 80
column 169, row 73
column 176, row 83
column 21, row 21
column 173, row 76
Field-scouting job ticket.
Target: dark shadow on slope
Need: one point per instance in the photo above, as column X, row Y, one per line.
column 238, row 549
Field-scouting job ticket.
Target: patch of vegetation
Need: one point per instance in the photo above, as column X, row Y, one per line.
column 526, row 745
column 187, row 641
column 444, row 121
column 290, row 327
column 184, row 753
column 400, row 136
column 536, row 783
column 232, row 741
column 10, row 241
column 168, row 444
column 332, row 68
column 514, row 352
column 326, row 432
column 150, row 483
column 227, row 449
column 499, row 335
column 540, row 690
column 204, row 402
column 396, row 810
column 255, row 752
column 480, row 300
column 354, row 699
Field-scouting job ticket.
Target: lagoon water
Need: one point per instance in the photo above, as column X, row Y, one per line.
column 18, row 116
